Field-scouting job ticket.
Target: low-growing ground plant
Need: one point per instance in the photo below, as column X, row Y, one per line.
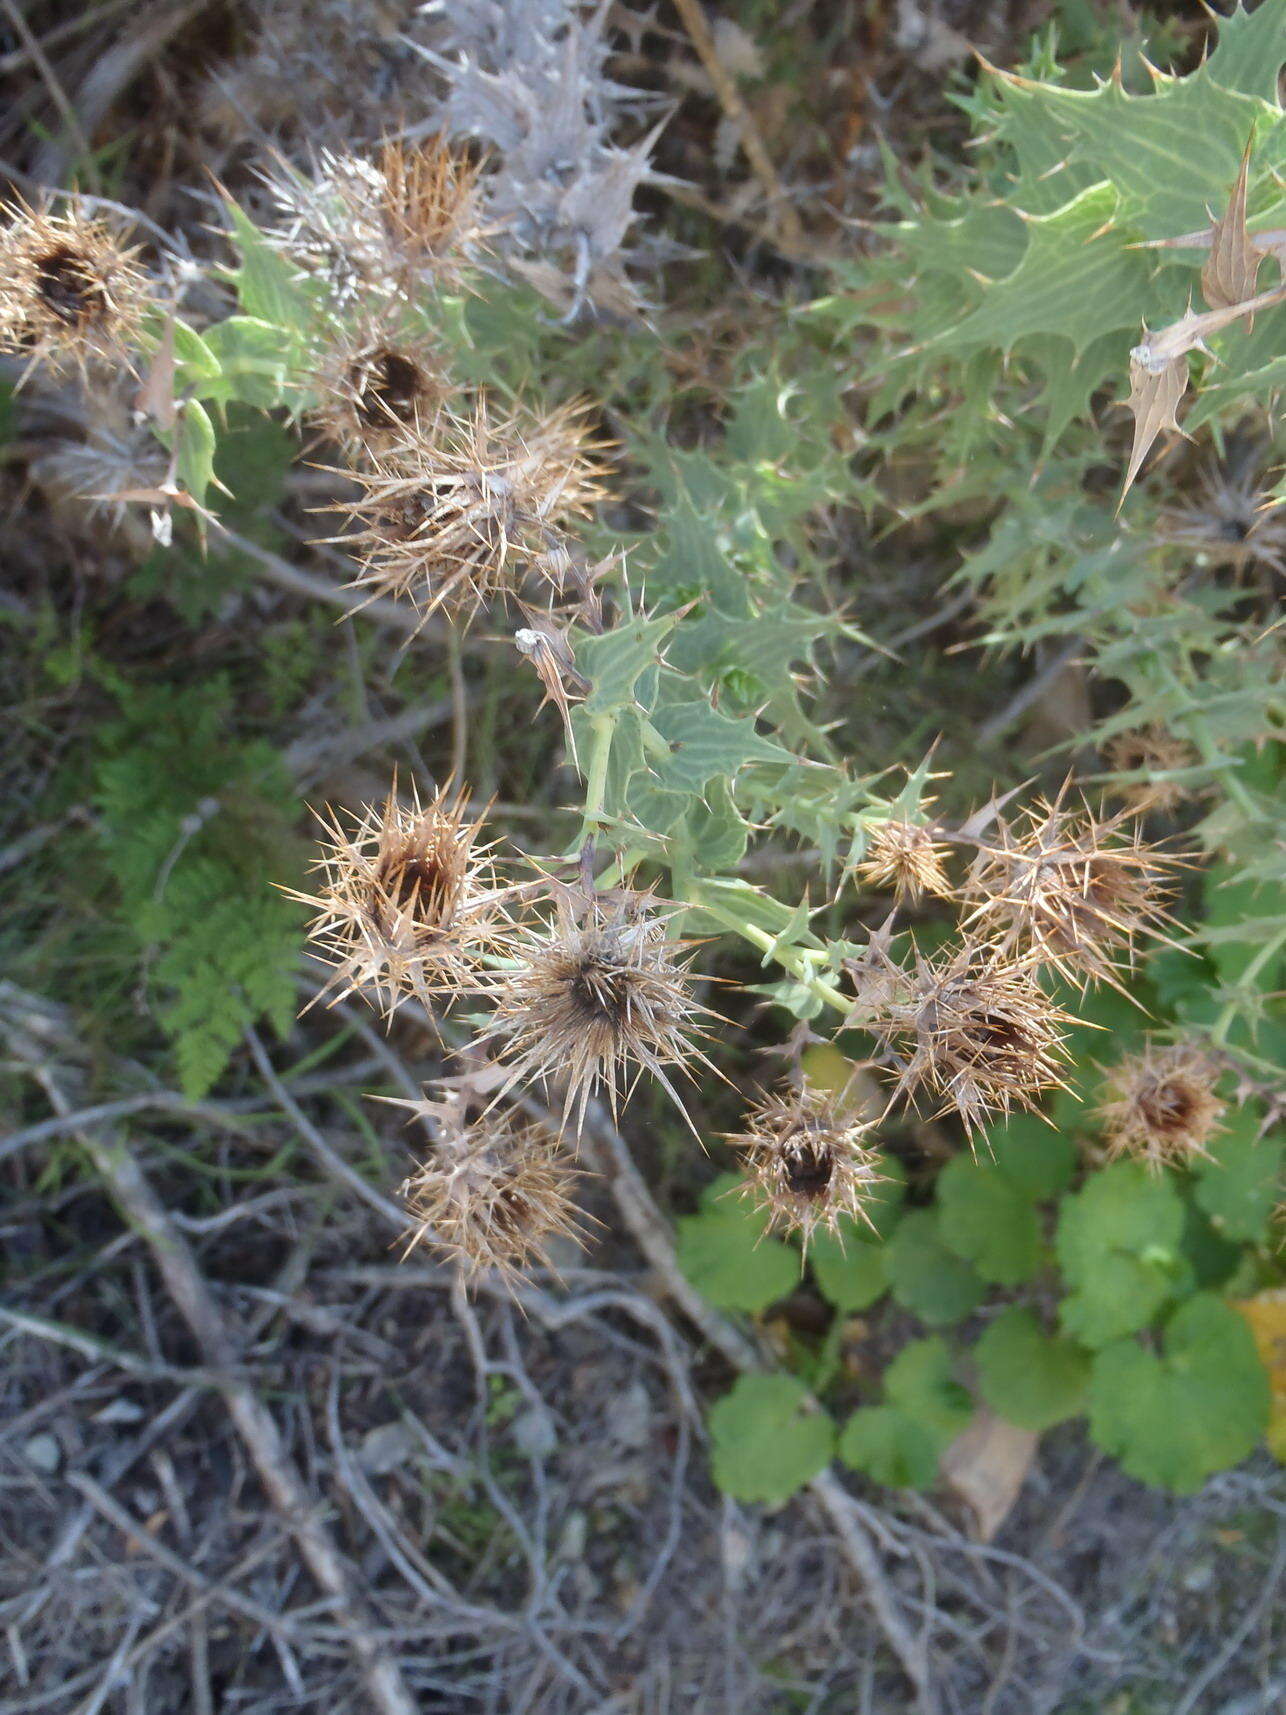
column 1025, row 1081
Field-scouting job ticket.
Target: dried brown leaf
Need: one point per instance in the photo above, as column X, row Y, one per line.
column 1232, row 266
column 1154, row 396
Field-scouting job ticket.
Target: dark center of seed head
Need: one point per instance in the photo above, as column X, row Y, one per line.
column 600, row 993
column 69, row 286
column 391, row 387
column 1168, row 1106
column 809, row 1168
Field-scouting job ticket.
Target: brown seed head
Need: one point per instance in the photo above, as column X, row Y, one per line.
column 1161, row 1106
column 71, row 294
column 1233, row 522
column 601, row 994
column 1069, row 889
column 409, row 903
column 902, row 855
column 971, row 1028
column 492, row 1193
column 1149, row 751
column 808, row 1164
column 380, row 385
column 452, row 516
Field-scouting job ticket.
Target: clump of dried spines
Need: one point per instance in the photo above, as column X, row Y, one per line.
column 1161, row 1106
column 903, row 855
column 1153, row 752
column 971, row 1029
column 71, row 294
column 807, row 1161
column 599, row 996
column 1070, row 889
column 492, row 1194
column 380, row 386
column 454, row 519
column 409, row 904
column 378, row 228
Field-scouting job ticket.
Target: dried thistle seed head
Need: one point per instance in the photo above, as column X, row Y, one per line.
column 452, row 515
column 71, row 294
column 1161, row 1106
column 902, row 855
column 1233, row 522
column 601, row 994
column 1150, row 751
column 380, row 384
column 409, row 903
column 1073, row 890
column 492, row 1193
column 808, row 1163
column 972, row 1029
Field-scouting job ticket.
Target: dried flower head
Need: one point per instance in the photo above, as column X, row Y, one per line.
column 808, row 1163
column 1072, row 889
column 492, row 1193
column 452, row 517
column 380, row 384
column 601, row 994
column 70, row 293
column 971, row 1028
column 1232, row 522
column 409, row 903
column 1161, row 1106
column 1150, row 751
column 903, row 855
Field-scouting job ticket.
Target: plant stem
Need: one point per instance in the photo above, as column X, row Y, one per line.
column 792, row 959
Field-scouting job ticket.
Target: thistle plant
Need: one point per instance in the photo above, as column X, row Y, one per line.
column 673, row 608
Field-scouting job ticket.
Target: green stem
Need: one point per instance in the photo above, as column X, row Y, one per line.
column 1228, row 1013
column 795, row 960
column 600, row 752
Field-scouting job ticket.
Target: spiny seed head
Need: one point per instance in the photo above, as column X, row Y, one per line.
column 903, row 855
column 70, row 293
column 1069, row 888
column 380, row 383
column 971, row 1028
column 492, row 1193
column 409, row 903
column 600, row 994
column 453, row 515
column 1232, row 522
column 807, row 1161
column 1161, row 1106
column 1149, row 751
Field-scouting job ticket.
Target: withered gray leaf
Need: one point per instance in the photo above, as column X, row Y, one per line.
column 1155, row 393
column 1232, row 266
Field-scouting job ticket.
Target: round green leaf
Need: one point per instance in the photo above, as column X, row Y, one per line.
column 1241, row 1186
column 764, row 1443
column 1175, row 1418
column 1119, row 1242
column 724, row 1255
column 987, row 1219
column 925, row 1276
column 1037, row 1157
column 1027, row 1376
column 920, row 1382
column 890, row 1446
column 848, row 1269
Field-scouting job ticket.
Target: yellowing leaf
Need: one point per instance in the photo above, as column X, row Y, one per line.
column 1266, row 1314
